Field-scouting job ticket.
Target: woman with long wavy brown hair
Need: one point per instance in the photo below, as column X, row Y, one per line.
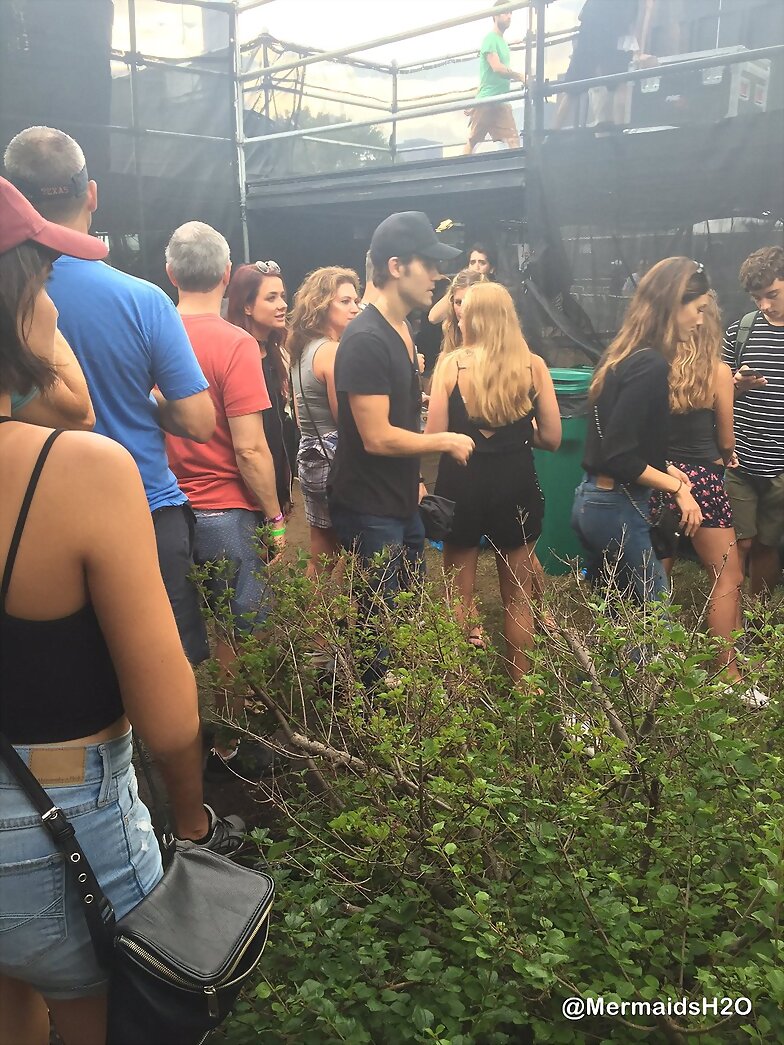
column 257, row 303
column 324, row 305
column 493, row 389
column 628, row 430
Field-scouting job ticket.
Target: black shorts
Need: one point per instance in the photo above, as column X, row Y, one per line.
column 595, row 55
column 496, row 496
column 174, row 532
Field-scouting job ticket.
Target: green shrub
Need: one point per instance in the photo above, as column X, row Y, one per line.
column 453, row 860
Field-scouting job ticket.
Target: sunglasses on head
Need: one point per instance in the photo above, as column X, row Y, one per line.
column 268, row 268
column 700, row 268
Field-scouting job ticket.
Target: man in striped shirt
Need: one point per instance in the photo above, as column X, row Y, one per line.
column 755, row 353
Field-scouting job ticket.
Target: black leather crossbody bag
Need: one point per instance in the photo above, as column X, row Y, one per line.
column 178, row 960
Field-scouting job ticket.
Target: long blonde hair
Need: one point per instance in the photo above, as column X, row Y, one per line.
column 501, row 374
column 453, row 337
column 651, row 318
column 695, row 364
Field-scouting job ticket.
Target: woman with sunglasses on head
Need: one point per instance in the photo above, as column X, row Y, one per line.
column 493, row 389
column 627, row 442
column 701, row 445
column 88, row 646
column 324, row 306
column 258, row 304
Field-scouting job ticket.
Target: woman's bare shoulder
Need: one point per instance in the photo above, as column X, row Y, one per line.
column 93, row 466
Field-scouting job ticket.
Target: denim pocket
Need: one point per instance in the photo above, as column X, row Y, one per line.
column 32, row 909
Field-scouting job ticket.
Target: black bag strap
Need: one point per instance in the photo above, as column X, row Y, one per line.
column 13, row 547
column 742, row 336
column 307, row 404
column 98, row 912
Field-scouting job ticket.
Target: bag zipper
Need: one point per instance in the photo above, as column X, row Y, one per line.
column 168, row 974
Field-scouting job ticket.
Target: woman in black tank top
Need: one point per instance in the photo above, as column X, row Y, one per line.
column 701, row 444
column 88, row 644
column 495, row 391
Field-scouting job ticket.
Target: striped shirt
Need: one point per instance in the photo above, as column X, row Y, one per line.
column 759, row 414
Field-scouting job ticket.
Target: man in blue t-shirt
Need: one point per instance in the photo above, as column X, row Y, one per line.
column 140, row 368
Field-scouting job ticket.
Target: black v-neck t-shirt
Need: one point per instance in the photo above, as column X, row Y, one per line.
column 373, row 360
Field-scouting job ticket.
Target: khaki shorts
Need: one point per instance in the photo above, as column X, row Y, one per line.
column 495, row 120
column 757, row 506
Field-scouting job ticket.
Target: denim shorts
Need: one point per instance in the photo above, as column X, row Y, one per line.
column 228, row 536
column 44, row 940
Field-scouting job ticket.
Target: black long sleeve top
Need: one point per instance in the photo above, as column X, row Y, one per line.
column 634, row 416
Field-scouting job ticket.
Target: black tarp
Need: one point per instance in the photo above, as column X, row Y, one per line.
column 667, row 178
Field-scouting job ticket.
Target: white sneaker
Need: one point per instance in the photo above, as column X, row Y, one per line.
column 582, row 729
column 754, row 698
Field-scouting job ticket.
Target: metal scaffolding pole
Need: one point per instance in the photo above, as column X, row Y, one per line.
column 716, row 61
column 541, row 37
column 408, row 114
column 137, row 170
column 393, row 110
column 238, row 109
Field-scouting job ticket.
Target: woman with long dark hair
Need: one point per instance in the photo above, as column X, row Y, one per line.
column 88, row 646
column 258, row 304
column 324, row 305
column 628, row 432
column 493, row 389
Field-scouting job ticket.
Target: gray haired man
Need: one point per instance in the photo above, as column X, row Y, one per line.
column 230, row 480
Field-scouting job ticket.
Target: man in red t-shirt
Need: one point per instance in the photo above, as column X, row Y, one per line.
column 229, row 480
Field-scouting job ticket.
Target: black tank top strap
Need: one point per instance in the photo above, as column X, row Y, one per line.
column 13, row 547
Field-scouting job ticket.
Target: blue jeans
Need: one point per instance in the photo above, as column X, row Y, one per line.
column 399, row 542
column 393, row 551
column 44, row 940
column 616, row 535
column 230, row 534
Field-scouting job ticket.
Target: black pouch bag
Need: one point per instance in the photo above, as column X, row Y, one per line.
column 665, row 532
column 178, row 960
column 438, row 514
column 182, row 955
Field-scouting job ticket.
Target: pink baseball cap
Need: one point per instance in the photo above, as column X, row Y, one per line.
column 20, row 222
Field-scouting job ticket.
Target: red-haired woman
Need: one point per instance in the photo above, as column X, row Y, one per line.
column 257, row 303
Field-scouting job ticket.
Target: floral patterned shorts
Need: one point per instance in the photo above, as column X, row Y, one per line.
column 707, row 489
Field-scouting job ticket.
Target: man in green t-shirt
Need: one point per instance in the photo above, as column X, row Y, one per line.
column 495, row 76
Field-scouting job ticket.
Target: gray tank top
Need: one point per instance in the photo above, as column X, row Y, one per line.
column 315, row 416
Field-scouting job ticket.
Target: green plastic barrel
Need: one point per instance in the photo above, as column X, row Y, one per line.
column 560, row 473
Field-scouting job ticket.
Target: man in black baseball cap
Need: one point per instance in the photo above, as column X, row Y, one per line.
column 407, row 234
column 374, row 481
